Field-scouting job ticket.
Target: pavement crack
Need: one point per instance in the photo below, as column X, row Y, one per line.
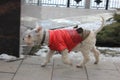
column 116, row 67
column 17, row 69
column 86, row 72
column 52, row 70
column 7, row 72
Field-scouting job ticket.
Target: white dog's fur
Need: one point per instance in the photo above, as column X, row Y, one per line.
column 35, row 36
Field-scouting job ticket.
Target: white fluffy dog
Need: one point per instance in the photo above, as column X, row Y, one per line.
column 64, row 41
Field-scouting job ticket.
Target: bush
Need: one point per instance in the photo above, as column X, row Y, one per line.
column 116, row 17
column 109, row 36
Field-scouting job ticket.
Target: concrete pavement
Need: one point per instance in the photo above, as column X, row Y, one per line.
column 30, row 69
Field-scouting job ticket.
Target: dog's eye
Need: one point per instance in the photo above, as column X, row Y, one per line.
column 29, row 36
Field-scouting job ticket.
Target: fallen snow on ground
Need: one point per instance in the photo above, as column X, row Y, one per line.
column 91, row 25
column 6, row 57
column 72, row 55
column 113, row 49
column 78, row 55
column 110, row 58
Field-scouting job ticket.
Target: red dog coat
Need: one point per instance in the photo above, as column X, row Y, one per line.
column 61, row 39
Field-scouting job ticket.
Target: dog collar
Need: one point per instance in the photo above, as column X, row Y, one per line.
column 43, row 39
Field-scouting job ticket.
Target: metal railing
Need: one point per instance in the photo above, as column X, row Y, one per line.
column 57, row 3
column 111, row 4
column 63, row 3
column 53, row 2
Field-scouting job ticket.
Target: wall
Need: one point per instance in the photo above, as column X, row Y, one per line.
column 9, row 27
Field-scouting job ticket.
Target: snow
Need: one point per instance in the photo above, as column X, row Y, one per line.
column 78, row 55
column 65, row 21
column 110, row 58
column 6, row 57
column 42, row 52
column 91, row 25
column 113, row 49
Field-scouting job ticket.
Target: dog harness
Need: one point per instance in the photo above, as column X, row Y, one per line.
column 61, row 39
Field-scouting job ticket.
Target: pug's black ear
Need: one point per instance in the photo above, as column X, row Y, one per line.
column 79, row 30
column 76, row 27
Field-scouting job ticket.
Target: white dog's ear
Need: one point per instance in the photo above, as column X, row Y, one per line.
column 38, row 29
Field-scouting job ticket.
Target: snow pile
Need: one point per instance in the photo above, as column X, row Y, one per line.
column 109, row 58
column 42, row 52
column 9, row 58
column 91, row 25
column 78, row 55
column 113, row 49
column 6, row 57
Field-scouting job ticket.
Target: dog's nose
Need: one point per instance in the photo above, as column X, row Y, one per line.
column 23, row 38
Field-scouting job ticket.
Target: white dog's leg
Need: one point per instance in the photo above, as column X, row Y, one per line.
column 65, row 58
column 48, row 56
column 86, row 58
column 96, row 54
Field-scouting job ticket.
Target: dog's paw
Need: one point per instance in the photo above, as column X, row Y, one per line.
column 96, row 62
column 79, row 66
column 43, row 65
column 71, row 64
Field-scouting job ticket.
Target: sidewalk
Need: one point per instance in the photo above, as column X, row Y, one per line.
column 30, row 69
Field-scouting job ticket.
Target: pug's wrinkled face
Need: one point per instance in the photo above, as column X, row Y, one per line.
column 31, row 37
